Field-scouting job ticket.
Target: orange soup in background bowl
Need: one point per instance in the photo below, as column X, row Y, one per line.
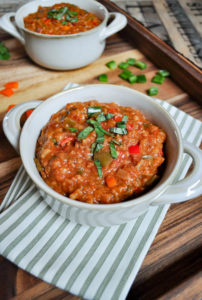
column 63, row 36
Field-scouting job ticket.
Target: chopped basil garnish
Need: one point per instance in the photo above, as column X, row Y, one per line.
column 121, row 124
column 72, row 13
column 109, row 116
column 92, row 148
column 113, row 150
column 99, row 168
column 98, row 147
column 73, row 129
column 100, row 136
column 101, row 117
column 97, row 124
column 93, row 110
column 121, row 131
column 115, row 142
column 74, row 20
column 85, row 132
column 125, row 119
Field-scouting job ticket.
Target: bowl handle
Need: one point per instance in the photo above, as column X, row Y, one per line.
column 7, row 25
column 118, row 23
column 189, row 187
column 11, row 121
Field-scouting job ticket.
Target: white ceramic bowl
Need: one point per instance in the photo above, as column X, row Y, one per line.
column 107, row 214
column 64, row 52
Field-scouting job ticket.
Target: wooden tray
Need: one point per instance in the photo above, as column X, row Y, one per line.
column 171, row 268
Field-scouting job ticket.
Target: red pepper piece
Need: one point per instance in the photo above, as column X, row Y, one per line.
column 117, row 118
column 47, row 21
column 7, row 92
column 129, row 126
column 66, row 140
column 28, row 113
column 12, row 85
column 134, row 149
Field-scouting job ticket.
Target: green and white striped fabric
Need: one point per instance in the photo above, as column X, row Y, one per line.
column 93, row 263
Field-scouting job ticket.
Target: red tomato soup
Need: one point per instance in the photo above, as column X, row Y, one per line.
column 99, row 152
column 63, row 18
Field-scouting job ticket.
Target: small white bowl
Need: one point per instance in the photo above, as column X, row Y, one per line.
column 64, row 52
column 107, row 214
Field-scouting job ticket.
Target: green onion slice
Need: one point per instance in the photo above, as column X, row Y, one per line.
column 121, row 131
column 158, row 79
column 152, row 91
column 123, row 65
column 163, row 73
column 99, row 167
column 131, row 61
column 113, row 150
column 132, row 78
column 141, row 78
column 125, row 74
column 111, row 65
column 140, row 64
column 103, row 78
column 85, row 132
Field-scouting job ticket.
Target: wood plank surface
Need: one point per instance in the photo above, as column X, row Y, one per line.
column 171, row 269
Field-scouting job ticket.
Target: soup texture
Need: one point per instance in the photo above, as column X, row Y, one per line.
column 99, row 153
column 60, row 19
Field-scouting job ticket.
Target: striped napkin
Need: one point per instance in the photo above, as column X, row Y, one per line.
column 93, row 263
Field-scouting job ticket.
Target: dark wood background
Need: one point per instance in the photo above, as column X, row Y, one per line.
column 172, row 267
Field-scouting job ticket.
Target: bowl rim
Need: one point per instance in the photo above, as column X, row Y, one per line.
column 147, row 197
column 60, row 36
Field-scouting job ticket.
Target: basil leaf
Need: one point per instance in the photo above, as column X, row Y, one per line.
column 121, row 131
column 85, row 132
column 94, row 109
column 115, row 142
column 98, row 147
column 73, row 129
column 121, row 124
column 109, row 116
column 100, row 136
column 99, row 168
column 113, row 150
column 92, row 148
column 101, row 117
column 125, row 119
